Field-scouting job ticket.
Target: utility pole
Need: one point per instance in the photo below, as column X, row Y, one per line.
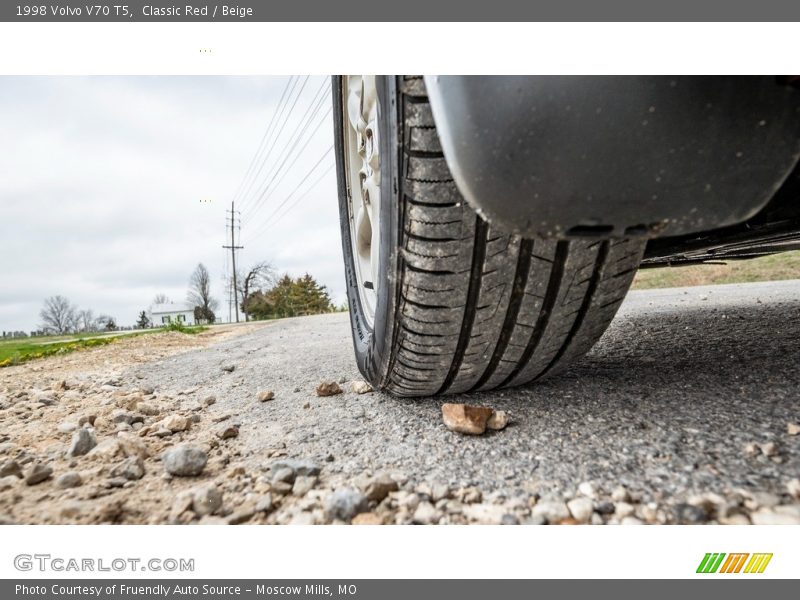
column 233, row 248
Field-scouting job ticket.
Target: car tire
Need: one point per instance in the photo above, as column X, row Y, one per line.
column 458, row 305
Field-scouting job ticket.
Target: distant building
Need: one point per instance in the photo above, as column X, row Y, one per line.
column 171, row 312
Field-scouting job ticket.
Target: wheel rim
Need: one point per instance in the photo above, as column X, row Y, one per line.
column 362, row 168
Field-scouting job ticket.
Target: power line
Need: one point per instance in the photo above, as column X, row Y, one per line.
column 302, row 127
column 277, row 136
column 297, row 187
column 262, row 143
column 300, row 197
column 266, row 196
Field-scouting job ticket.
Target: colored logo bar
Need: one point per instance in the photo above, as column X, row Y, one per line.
column 719, row 562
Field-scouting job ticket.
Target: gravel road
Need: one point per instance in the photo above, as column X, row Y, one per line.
column 686, row 411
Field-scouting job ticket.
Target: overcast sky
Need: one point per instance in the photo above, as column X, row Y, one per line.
column 102, row 178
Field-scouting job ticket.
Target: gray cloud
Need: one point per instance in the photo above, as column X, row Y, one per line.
column 101, row 183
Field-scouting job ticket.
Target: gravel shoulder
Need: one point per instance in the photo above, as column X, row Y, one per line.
column 686, row 411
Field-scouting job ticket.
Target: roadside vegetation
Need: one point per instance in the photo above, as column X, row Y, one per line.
column 775, row 267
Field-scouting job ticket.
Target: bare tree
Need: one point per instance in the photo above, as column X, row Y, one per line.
column 106, row 322
column 85, row 320
column 199, row 294
column 58, row 315
column 259, row 276
column 161, row 299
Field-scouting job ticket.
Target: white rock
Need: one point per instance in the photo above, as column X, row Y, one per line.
column 766, row 516
column 581, row 509
column 487, row 514
column 552, row 512
column 587, row 489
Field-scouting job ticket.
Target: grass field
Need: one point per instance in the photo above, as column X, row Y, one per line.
column 20, row 350
column 767, row 268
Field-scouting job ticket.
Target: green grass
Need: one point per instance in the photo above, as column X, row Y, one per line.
column 19, row 350
column 775, row 267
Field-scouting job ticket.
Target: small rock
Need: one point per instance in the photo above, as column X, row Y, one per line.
column 184, row 460
column 344, row 504
column 439, row 491
column 303, row 484
column 486, row 514
column 765, row 516
column 367, row 518
column 689, row 514
column 70, row 479
column 498, row 420
column 10, row 467
column 361, row 387
column 587, row 489
column 307, row 405
column 620, row 494
column 147, row 409
column 206, row 499
column 769, row 449
column 793, row 428
column 130, row 445
column 300, row 466
column 228, row 431
column 604, row 507
column 130, row 469
column 284, row 474
column 328, row 388
column 147, row 390
column 38, row 473
column 631, row 520
column 83, row 441
column 552, row 512
column 581, row 509
column 209, row 400
column 87, row 420
column 266, row 396
column 281, row 487
column 182, row 502
column 425, row 514
column 67, row 427
column 264, row 504
column 174, row 423
column 108, row 448
column 466, row 419
column 241, row 515
column 230, row 368
column 623, row 509
column 752, row 449
column 379, row 487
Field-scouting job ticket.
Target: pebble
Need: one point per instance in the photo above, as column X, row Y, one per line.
column 793, row 428
column 587, row 489
column 328, row 388
column 769, row 449
column 70, row 479
column 361, row 387
column 581, row 509
column 174, row 423
column 300, row 466
column 689, row 514
column 552, row 512
column 229, row 368
column 466, row 419
column 379, row 487
column 766, row 516
column 487, row 514
column 83, row 441
column 623, row 509
column 67, row 427
column 228, row 431
column 367, row 518
column 498, row 420
column 10, row 467
column 266, row 396
column 209, row 400
column 344, row 504
column 303, row 484
column 425, row 514
column 184, row 460
column 620, row 494
column 37, row 473
column 241, row 515
column 265, row 504
column 206, row 499
column 129, row 469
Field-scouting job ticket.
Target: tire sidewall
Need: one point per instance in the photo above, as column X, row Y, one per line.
column 373, row 344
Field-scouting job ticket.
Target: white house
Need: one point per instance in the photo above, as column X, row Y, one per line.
column 171, row 312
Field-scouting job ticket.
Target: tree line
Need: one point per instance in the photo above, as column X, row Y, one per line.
column 261, row 293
